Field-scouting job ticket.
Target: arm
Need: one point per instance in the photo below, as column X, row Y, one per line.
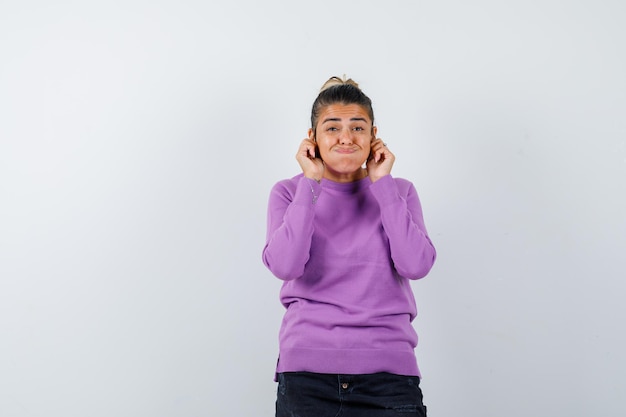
column 290, row 227
column 412, row 252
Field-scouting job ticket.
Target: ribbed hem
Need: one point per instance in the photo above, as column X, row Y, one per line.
column 348, row 361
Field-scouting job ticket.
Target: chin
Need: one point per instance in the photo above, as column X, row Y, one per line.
column 346, row 165
column 344, row 168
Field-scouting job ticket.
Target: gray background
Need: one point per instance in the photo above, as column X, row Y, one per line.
column 139, row 141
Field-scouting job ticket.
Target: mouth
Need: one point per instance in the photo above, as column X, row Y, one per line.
column 343, row 150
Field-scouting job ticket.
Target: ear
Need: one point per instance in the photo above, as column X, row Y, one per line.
column 374, row 132
column 311, row 134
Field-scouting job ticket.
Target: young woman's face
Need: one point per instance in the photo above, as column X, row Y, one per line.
column 343, row 134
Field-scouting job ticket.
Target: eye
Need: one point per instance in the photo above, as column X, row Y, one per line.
column 331, row 129
column 358, row 129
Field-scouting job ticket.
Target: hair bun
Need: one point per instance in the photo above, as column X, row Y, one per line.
column 333, row 81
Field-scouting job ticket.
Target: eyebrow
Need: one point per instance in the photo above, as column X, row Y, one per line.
column 337, row 119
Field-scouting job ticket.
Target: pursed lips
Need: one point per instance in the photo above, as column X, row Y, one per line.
column 341, row 149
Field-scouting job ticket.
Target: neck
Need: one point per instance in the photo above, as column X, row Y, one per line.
column 357, row 175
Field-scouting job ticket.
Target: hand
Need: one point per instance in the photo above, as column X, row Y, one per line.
column 312, row 167
column 380, row 161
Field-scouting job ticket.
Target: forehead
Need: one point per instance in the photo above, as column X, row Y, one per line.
column 343, row 112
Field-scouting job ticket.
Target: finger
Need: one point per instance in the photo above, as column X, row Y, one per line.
column 386, row 154
column 376, row 155
column 380, row 152
column 378, row 148
column 305, row 148
column 311, row 146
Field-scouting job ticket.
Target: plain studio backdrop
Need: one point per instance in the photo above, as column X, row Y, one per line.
column 139, row 141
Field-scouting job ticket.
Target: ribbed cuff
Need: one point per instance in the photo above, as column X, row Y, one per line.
column 307, row 192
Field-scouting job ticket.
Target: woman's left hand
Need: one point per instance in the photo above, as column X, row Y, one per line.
column 380, row 161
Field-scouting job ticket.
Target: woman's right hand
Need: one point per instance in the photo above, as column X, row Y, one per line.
column 312, row 167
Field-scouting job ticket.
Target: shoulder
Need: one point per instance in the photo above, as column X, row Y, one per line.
column 405, row 186
column 402, row 182
column 287, row 186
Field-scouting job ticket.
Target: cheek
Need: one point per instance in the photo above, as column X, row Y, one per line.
column 322, row 147
column 366, row 153
column 322, row 144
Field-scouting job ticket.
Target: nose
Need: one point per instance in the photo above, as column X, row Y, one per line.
column 346, row 137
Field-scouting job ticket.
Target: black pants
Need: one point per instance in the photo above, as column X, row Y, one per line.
column 305, row 394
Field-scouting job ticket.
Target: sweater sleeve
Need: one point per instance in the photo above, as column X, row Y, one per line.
column 290, row 227
column 412, row 251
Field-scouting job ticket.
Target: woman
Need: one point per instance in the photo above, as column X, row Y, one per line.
column 346, row 237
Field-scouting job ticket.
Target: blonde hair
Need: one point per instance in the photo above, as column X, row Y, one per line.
column 332, row 81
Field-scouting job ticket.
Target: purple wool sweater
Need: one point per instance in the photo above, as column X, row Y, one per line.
column 346, row 253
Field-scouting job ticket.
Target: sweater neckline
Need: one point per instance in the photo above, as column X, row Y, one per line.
column 347, row 187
